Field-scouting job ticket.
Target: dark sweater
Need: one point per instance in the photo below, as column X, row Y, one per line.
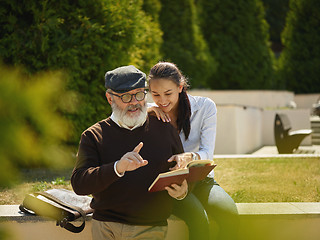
column 125, row 199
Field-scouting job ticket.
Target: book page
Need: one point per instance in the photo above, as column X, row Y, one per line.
column 200, row 162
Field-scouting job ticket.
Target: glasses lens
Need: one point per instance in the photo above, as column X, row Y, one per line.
column 126, row 98
column 140, row 96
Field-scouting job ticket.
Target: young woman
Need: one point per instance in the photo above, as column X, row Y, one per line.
column 195, row 119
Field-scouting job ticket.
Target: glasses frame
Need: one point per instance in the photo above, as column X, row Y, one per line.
column 131, row 96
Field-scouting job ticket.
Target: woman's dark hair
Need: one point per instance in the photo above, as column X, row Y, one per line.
column 170, row 71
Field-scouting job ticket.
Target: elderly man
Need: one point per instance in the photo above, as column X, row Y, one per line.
column 119, row 157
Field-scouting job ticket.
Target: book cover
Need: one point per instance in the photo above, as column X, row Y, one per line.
column 195, row 171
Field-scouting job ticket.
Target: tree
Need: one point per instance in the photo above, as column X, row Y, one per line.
column 299, row 63
column 276, row 12
column 237, row 35
column 183, row 42
column 84, row 39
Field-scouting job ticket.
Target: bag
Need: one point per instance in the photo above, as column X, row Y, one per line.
column 59, row 204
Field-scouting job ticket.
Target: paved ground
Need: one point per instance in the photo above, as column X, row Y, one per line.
column 314, row 149
column 271, row 151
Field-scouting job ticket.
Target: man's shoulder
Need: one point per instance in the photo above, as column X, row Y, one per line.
column 99, row 126
column 155, row 122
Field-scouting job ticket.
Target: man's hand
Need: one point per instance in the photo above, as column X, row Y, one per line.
column 131, row 160
column 177, row 191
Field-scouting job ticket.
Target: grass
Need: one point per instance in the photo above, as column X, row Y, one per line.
column 270, row 180
column 246, row 180
column 34, row 181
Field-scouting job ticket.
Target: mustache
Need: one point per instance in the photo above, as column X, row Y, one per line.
column 130, row 107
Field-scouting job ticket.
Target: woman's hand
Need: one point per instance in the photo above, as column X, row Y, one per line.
column 160, row 114
column 178, row 192
column 181, row 159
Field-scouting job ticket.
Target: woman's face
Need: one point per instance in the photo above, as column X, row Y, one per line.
column 165, row 93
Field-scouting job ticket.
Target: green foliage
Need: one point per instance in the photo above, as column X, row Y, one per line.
column 40, row 187
column 299, row 64
column 237, row 35
column 183, row 42
column 276, row 12
column 84, row 38
column 59, row 181
column 31, row 124
column 148, row 36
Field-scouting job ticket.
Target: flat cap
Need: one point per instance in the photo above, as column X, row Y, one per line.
column 124, row 79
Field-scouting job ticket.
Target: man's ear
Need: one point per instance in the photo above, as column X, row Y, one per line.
column 109, row 98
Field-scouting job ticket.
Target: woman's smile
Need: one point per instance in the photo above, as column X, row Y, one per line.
column 165, row 93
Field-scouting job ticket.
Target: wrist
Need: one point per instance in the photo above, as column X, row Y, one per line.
column 117, row 169
column 183, row 196
column 194, row 156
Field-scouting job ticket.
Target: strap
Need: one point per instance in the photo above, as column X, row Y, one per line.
column 23, row 209
column 64, row 223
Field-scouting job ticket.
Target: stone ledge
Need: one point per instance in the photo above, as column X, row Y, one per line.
column 296, row 209
column 312, row 209
column 268, row 221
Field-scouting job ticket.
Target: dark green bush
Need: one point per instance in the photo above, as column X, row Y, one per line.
column 276, row 12
column 237, row 35
column 183, row 42
column 83, row 38
column 148, row 35
column 299, row 64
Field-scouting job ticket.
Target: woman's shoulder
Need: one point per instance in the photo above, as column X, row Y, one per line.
column 201, row 102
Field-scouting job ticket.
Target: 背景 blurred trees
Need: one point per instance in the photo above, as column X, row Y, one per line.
column 83, row 38
column 299, row 63
column 217, row 44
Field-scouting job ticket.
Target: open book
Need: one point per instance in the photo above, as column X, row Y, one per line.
column 196, row 170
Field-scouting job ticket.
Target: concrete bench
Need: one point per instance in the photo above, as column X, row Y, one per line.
column 29, row 227
column 258, row 221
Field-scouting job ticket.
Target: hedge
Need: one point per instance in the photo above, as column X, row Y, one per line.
column 237, row 35
column 299, row 63
column 84, row 39
column 183, row 42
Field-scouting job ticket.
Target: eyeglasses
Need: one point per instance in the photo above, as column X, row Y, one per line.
column 126, row 98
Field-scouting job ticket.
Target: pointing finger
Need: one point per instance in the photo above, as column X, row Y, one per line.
column 138, row 147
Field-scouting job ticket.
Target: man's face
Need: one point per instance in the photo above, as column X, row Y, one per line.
column 132, row 113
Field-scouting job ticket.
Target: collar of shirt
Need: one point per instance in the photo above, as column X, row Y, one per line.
column 122, row 125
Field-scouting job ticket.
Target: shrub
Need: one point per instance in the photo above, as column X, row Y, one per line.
column 148, row 36
column 83, row 38
column 183, row 42
column 299, row 63
column 237, row 35
column 276, row 12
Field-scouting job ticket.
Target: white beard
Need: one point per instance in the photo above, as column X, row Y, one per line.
column 127, row 120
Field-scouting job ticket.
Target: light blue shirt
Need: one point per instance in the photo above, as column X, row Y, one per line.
column 203, row 123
